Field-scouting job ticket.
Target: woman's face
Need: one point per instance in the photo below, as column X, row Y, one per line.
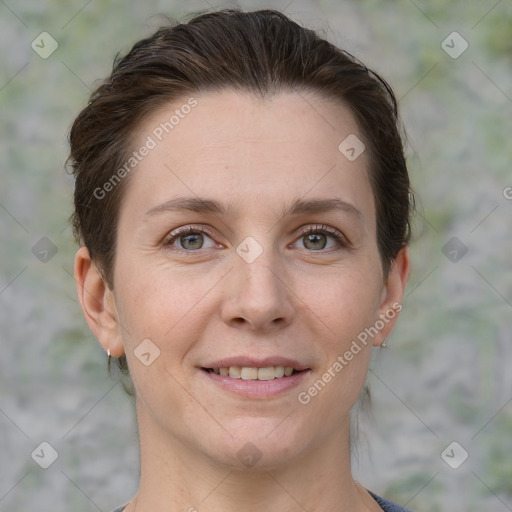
column 246, row 281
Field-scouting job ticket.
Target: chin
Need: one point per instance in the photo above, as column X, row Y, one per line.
column 261, row 446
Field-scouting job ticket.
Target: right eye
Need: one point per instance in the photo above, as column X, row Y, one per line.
column 190, row 238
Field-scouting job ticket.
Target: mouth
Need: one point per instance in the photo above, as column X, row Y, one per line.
column 255, row 373
column 256, row 382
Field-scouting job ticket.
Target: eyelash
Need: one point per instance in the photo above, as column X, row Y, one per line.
column 323, row 229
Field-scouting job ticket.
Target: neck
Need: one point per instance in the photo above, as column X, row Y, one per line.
column 175, row 476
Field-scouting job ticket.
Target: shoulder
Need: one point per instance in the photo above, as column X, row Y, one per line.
column 388, row 506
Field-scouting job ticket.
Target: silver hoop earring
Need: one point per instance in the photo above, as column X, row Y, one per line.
column 109, row 357
column 383, row 345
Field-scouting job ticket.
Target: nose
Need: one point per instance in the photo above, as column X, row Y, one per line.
column 259, row 296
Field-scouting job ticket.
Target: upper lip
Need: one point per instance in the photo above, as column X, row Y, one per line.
column 252, row 362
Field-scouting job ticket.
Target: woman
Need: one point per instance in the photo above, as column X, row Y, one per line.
column 242, row 206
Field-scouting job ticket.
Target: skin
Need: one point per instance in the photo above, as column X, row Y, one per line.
column 296, row 299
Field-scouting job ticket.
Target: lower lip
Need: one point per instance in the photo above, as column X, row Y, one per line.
column 257, row 388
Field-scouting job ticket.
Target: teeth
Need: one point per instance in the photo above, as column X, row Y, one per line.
column 235, row 372
column 251, row 373
column 267, row 373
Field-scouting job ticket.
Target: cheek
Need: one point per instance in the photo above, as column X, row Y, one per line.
column 347, row 302
column 164, row 306
column 346, row 307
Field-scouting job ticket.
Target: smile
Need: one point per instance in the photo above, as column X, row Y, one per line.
column 250, row 382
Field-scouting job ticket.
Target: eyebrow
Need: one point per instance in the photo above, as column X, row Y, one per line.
column 299, row 206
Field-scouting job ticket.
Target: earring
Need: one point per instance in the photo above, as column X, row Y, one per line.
column 109, row 357
column 383, row 345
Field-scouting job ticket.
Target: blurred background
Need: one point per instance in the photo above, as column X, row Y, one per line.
column 439, row 435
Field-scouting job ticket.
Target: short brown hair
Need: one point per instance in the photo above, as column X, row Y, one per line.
column 261, row 52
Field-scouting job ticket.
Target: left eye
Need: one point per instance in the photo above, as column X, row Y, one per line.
column 316, row 238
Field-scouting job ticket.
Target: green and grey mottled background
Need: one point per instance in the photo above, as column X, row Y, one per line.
column 446, row 376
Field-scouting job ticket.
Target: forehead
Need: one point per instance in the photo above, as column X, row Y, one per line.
column 236, row 146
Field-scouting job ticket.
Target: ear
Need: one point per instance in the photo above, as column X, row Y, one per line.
column 98, row 303
column 392, row 295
